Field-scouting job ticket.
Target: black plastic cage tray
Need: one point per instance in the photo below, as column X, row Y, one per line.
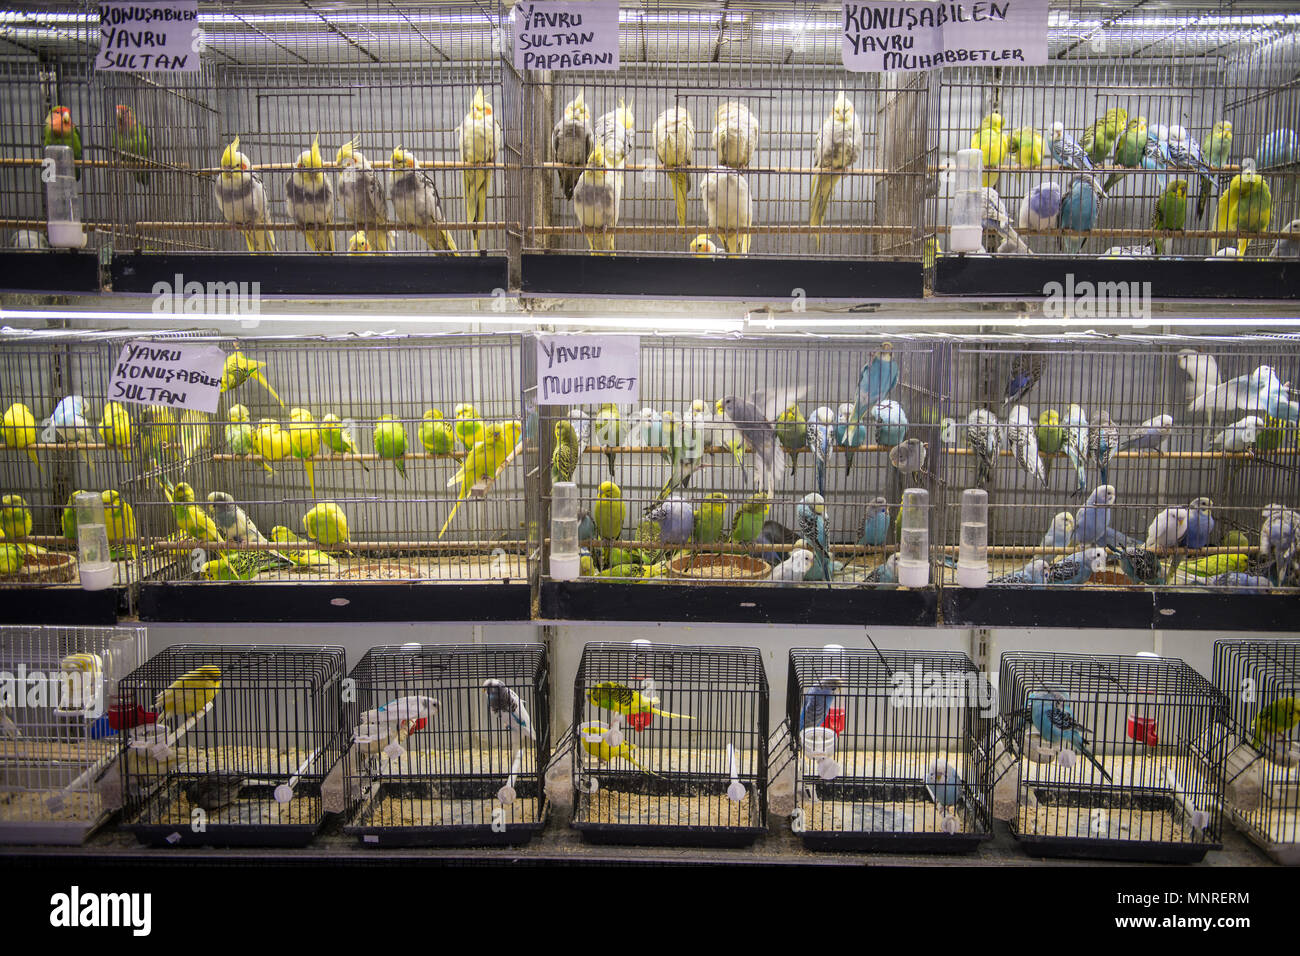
column 664, row 834
column 371, row 833
column 224, row 834
column 890, row 840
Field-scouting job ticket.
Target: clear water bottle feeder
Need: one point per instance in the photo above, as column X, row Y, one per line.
column 62, row 200
column 966, row 232
column 973, row 551
column 566, row 557
column 914, row 546
column 94, row 562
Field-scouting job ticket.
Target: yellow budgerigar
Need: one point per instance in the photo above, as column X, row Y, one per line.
column 192, row 520
column 1246, row 206
column 469, row 427
column 18, row 429
column 481, row 464
column 119, row 520
column 611, row 695
column 239, row 369
column 189, row 693
column 308, row 559
column 15, row 517
column 603, row 752
column 304, row 443
column 115, row 428
column 480, row 141
column 994, row 143
column 270, row 441
column 327, row 524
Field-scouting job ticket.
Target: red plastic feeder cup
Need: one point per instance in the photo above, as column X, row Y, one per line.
column 126, row 716
column 640, row 721
column 834, row 720
column 1143, row 730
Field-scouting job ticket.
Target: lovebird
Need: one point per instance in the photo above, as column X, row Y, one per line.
column 479, row 137
column 189, row 693
column 735, row 134
column 875, row 526
column 390, row 442
column 674, row 139
column 362, row 195
column 1275, row 720
column 115, row 428
column 310, row 199
column 571, row 143
column 327, row 524
column 238, row 369
column 61, row 131
column 338, row 438
column 1170, row 212
column 729, row 209
column 416, row 202
column 1099, row 139
column 1246, row 206
column 984, row 439
column 818, row 701
column 611, row 695
column 304, row 443
column 1066, row 150
column 241, row 197
column 18, row 430
column 993, row 143
column 481, row 464
column 747, row 520
column 1055, row 722
column 606, row 754
column 1129, row 150
column 131, row 140
column 836, row 148
column 596, row 199
column 508, row 707
column 564, row 459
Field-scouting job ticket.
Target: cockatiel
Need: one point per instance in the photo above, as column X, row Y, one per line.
column 480, row 141
column 61, row 131
column 735, row 135
column 242, row 199
column 837, row 148
column 596, row 199
column 614, row 132
column 362, row 196
column 131, row 140
column 571, row 143
column 674, row 135
column 310, row 198
column 416, row 203
column 729, row 207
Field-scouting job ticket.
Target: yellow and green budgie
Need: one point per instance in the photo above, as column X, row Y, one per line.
column 15, row 517
column 481, row 464
column 18, row 429
column 436, row 435
column 1276, row 719
column 611, row 695
column 605, row 753
column 994, row 144
column 327, row 524
column 239, row 369
column 1245, row 206
column 337, row 437
column 304, row 443
column 390, row 442
column 115, row 428
column 711, row 519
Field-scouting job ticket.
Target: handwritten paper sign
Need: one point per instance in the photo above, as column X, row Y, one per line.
column 157, row 35
column 172, row 374
column 886, row 36
column 587, row 369
column 555, row 35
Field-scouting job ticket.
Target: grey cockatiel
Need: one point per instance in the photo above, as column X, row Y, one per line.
column 416, row 203
column 362, row 196
column 596, row 199
column 571, row 143
column 735, row 134
column 242, row 199
column 310, row 198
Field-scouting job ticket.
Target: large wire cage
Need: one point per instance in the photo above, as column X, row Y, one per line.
column 891, row 749
column 709, row 141
column 62, row 433
column 1114, row 757
column 232, row 744
column 1261, row 680
column 670, row 744
column 1160, row 107
column 343, row 459
column 678, row 490
column 449, row 744
column 1132, row 460
column 58, row 738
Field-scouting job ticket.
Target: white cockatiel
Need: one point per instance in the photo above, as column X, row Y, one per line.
column 416, row 203
column 674, row 135
column 310, row 198
column 362, row 196
column 479, row 138
column 735, row 135
column 571, row 142
column 242, row 199
column 729, row 207
column 596, row 199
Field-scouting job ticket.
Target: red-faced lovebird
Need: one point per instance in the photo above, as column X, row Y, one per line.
column 1055, row 723
column 507, row 706
column 818, row 701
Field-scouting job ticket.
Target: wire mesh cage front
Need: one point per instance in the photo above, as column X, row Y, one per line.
column 233, row 743
column 670, row 744
column 1136, row 137
column 344, row 460
column 728, row 129
column 449, row 744
column 891, row 749
column 58, row 727
column 1261, row 680
column 1133, row 461
column 695, row 490
column 1117, row 757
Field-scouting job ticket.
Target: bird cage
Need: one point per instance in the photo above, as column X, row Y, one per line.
column 1134, row 461
column 449, row 744
column 58, row 727
column 707, row 485
column 63, row 434
column 229, row 744
column 670, row 744
column 46, row 58
column 891, row 749
column 1114, row 757
column 1260, row 680
column 1161, row 130
column 729, row 132
column 342, row 460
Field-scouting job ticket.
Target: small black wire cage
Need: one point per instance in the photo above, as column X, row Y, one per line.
column 449, row 744
column 670, row 744
column 1261, row 680
column 228, row 745
column 1114, row 757
column 58, row 727
column 891, row 749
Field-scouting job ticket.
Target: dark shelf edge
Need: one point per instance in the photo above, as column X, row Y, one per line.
column 55, row 270
column 62, row 606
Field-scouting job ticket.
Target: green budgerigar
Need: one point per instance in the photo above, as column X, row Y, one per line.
column 1129, row 150
column 337, row 437
column 1100, row 138
column 131, row 139
column 435, row 434
column 611, row 695
column 711, row 519
column 1277, row 719
column 792, row 433
column 564, row 459
column 15, row 517
column 61, row 131
column 747, row 521
column 1218, row 147
column 390, row 443
column 1170, row 212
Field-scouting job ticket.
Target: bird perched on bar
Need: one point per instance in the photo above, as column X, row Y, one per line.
column 18, row 430
column 242, row 199
column 1103, row 441
column 362, row 195
column 192, row 520
column 850, row 433
column 755, row 417
column 481, row 464
column 1079, row 210
column 875, row 526
column 1170, row 212
column 818, row 701
column 1076, row 445
column 1092, row 521
column 1129, row 150
column 131, row 140
column 613, row 696
column 909, row 458
column 674, row 137
column 729, row 208
column 836, row 148
column 877, row 378
column 1067, row 152
column 1026, row 369
column 596, row 200
column 1058, row 533
column 1076, row 568
column 984, row 439
column 811, row 514
column 1024, row 442
column 327, row 524
column 307, row 559
column 1185, row 153
column 390, row 442
column 1041, row 207
column 480, row 140
column 508, row 707
column 1100, row 138
column 821, row 434
column 61, row 131
column 1025, row 148
column 416, row 203
column 564, row 458
column 189, row 693
column 15, row 517
column 1246, row 206
column 748, row 518
column 232, row 521
column 115, row 428
column 337, row 437
column 270, row 441
column 711, row 519
column 310, row 199
column 993, row 143
column 735, row 134
column 304, row 443
column 1150, row 435
column 614, row 132
column 70, row 424
column 1051, row 716
column 571, row 143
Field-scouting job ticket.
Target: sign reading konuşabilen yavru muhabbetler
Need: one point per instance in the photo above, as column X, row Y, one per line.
column 887, row 36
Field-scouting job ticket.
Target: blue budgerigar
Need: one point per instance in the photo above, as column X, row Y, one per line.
column 943, row 783
column 1092, row 521
column 876, row 380
column 1055, row 722
column 1200, row 524
column 676, row 520
column 71, row 424
column 1067, row 151
column 1034, row 572
column 1059, row 533
column 811, row 512
column 1076, row 568
column 1026, row 369
column 1079, row 211
column 1103, row 441
column 508, row 707
column 875, row 527
column 1150, row 435
column 890, row 421
column 818, row 701
column 884, row 573
column 821, row 435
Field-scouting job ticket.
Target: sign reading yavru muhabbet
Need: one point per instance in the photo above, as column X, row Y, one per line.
column 887, row 36
column 587, row 369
